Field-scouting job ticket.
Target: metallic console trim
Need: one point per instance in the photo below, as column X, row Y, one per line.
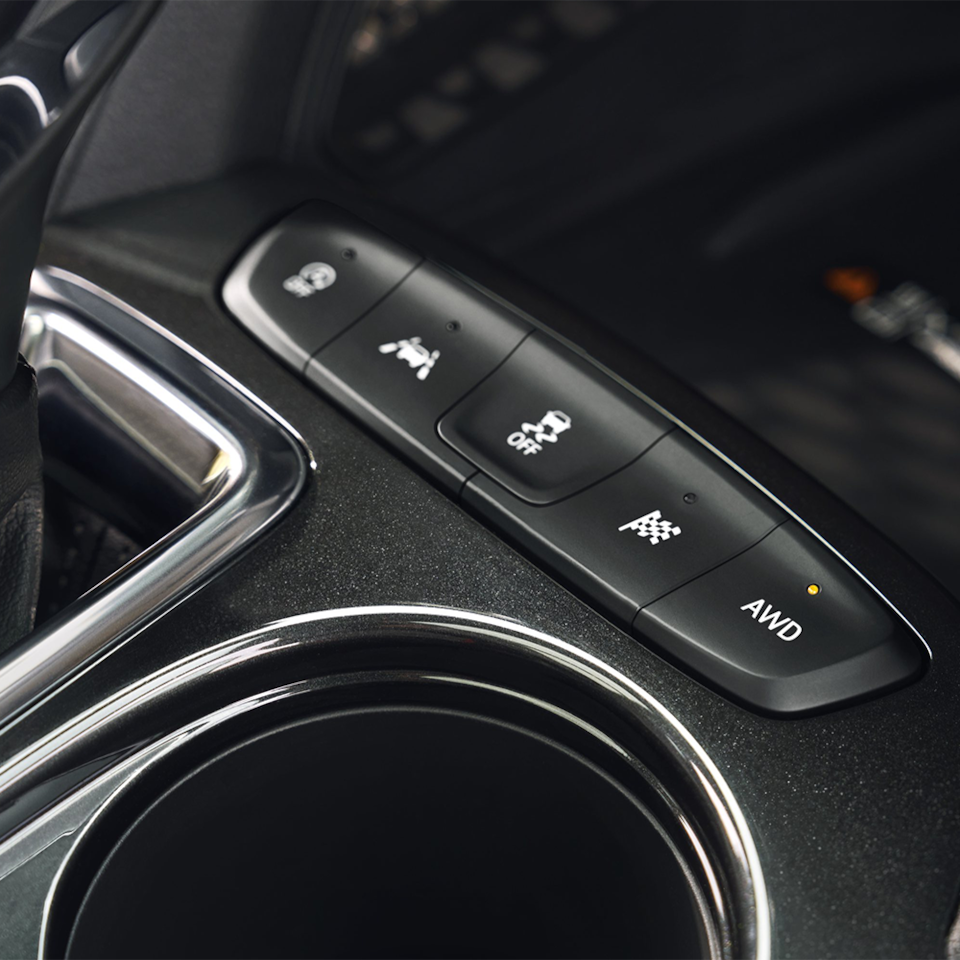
column 262, row 468
column 307, row 639
column 953, row 940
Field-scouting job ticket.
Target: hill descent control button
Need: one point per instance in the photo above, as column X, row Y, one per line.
column 548, row 423
column 785, row 627
column 310, row 277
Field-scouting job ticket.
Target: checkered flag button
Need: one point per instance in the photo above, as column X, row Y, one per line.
column 652, row 527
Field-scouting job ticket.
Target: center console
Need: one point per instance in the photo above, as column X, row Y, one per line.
column 586, row 473
column 472, row 632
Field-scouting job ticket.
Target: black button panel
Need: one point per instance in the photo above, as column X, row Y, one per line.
column 786, row 627
column 549, row 423
column 310, row 277
column 414, row 356
column 577, row 469
column 664, row 519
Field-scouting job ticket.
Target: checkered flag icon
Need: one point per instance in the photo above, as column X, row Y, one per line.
column 653, row 527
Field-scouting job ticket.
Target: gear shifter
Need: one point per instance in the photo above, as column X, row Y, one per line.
column 50, row 71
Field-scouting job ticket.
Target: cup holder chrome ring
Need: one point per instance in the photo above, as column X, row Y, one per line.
column 453, row 654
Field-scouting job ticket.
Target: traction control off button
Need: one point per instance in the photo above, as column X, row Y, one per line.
column 547, row 423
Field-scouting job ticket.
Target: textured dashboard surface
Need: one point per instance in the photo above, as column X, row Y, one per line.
column 855, row 813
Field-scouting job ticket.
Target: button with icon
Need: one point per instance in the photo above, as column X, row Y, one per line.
column 548, row 423
column 310, row 277
column 413, row 356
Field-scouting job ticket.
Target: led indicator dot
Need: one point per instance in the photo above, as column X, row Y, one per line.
column 813, row 589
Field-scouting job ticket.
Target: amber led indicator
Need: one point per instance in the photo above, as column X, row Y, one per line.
column 852, row 283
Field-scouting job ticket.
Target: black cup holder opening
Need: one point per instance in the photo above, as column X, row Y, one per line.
column 400, row 831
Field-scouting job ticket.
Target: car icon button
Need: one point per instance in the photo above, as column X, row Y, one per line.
column 413, row 356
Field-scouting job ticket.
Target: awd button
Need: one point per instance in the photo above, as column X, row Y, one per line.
column 785, row 627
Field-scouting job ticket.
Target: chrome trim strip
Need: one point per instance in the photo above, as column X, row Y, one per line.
column 307, row 635
column 265, row 465
column 953, row 940
column 50, row 283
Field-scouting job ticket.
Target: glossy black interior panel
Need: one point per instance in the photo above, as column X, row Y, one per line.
column 391, row 831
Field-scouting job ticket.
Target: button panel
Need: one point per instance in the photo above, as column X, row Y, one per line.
column 577, row 469
column 415, row 355
column 310, row 277
column 664, row 519
column 785, row 627
column 548, row 423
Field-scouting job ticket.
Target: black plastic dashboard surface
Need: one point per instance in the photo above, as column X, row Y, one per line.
column 855, row 812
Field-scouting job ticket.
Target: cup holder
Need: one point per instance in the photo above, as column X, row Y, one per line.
column 452, row 784
column 399, row 831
